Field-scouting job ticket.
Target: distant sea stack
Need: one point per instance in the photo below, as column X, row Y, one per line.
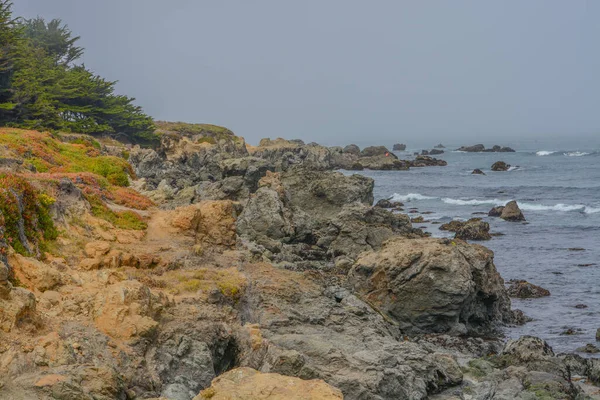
column 440, row 146
column 399, row 147
column 479, row 148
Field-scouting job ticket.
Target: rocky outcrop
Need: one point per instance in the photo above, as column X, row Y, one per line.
column 439, row 146
column 430, row 285
column 525, row 290
column 500, row 166
column 510, row 212
column 426, row 161
column 435, row 152
column 474, row 229
column 247, row 383
column 477, row 171
column 399, row 147
column 479, row 148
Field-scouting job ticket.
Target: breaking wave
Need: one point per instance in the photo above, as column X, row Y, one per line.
column 560, row 207
column 576, row 153
column 544, row 153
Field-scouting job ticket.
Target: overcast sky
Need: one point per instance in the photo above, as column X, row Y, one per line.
column 340, row 71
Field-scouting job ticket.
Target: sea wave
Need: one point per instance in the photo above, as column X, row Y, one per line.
column 513, row 168
column 474, row 202
column 525, row 206
column 576, row 153
column 544, row 153
column 411, row 197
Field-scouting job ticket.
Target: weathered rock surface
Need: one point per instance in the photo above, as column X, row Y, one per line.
column 429, row 285
column 426, row 161
column 500, row 166
column 474, row 229
column 525, row 290
column 512, row 212
column 247, row 383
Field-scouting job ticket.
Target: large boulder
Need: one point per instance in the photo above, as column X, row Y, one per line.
column 433, row 285
column 474, row 229
column 500, row 166
column 399, row 147
column 512, row 212
column 426, row 161
column 352, row 149
column 247, row 383
column 324, row 194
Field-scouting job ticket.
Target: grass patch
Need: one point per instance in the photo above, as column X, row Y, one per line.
column 120, row 219
column 48, row 154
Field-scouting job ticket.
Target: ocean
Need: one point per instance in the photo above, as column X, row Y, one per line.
column 558, row 247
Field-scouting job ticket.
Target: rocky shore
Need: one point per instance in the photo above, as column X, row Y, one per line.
column 258, row 272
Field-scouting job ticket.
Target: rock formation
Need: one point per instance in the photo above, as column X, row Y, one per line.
column 510, row 212
column 479, row 148
column 399, row 147
column 525, row 290
column 500, row 166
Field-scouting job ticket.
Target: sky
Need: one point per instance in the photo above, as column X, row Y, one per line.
column 341, row 71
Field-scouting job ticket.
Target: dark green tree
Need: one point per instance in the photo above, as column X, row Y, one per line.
column 55, row 38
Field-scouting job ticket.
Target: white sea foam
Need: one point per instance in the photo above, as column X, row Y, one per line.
column 576, row 153
column 513, row 168
column 544, row 153
column 474, row 202
column 411, row 197
column 560, row 207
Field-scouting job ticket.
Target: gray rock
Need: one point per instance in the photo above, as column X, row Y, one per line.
column 432, row 285
column 512, row 212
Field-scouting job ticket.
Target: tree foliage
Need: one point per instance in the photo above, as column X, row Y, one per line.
column 41, row 87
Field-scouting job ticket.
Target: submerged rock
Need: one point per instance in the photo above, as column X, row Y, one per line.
column 433, row 285
column 477, row 171
column 386, row 203
column 525, row 290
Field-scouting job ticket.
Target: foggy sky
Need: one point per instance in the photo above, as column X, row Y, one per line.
column 341, row 71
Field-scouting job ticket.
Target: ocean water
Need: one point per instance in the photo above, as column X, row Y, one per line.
column 559, row 193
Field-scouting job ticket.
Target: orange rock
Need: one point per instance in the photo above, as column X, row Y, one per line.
column 50, row 380
column 96, row 249
column 247, row 383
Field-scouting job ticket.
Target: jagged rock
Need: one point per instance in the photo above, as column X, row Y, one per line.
column 399, row 147
column 359, row 228
column 439, row 146
column 247, row 383
column 34, row 274
column 352, row 149
column 347, row 344
column 500, row 166
column 431, row 285
column 512, row 212
column 474, row 229
column 435, row 152
column 525, row 290
column 128, row 309
column 17, row 308
column 477, row 171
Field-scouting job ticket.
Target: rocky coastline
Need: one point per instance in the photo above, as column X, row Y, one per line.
column 257, row 269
